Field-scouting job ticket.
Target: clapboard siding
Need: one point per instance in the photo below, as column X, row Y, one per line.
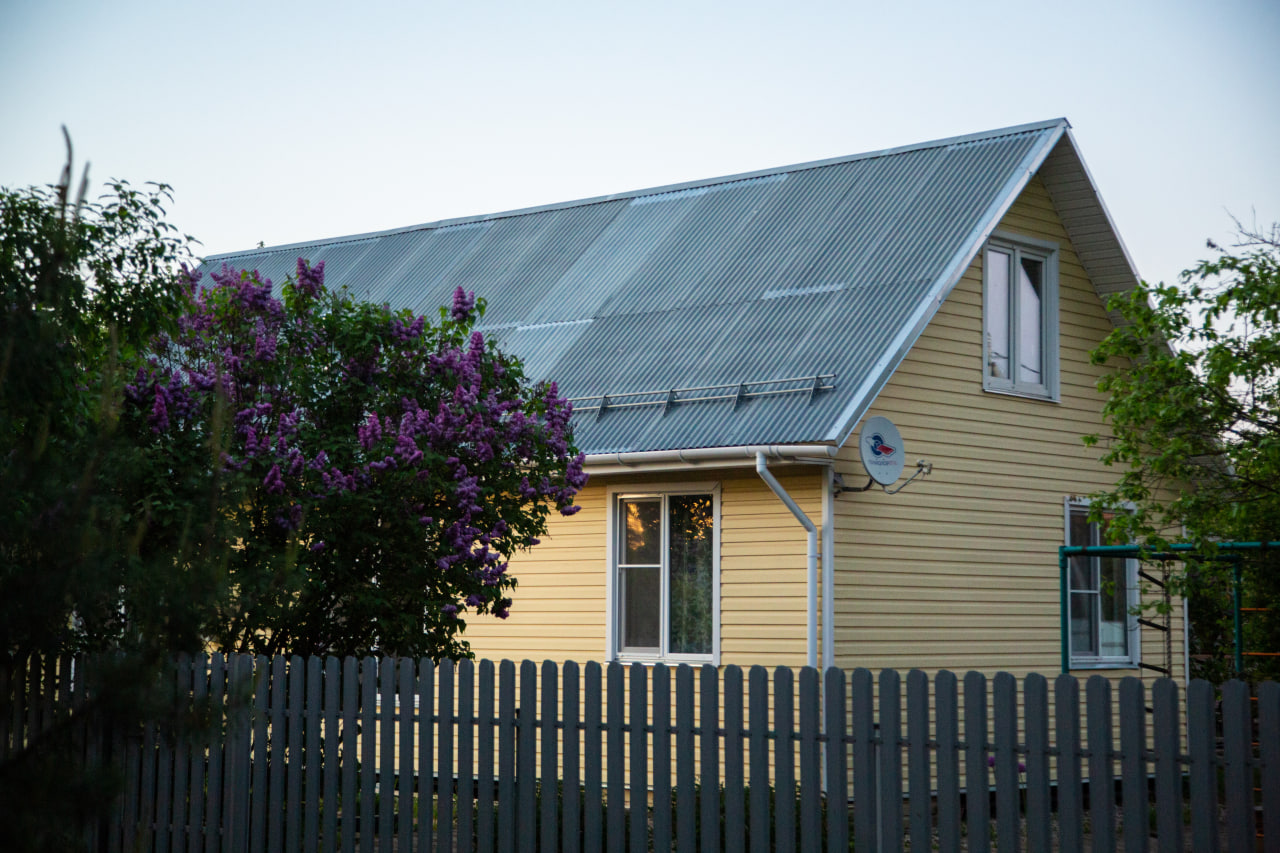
column 960, row 570
column 561, row 603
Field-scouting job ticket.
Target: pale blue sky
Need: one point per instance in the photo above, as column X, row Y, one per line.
column 280, row 122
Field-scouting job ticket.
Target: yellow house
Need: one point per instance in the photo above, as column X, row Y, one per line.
column 727, row 344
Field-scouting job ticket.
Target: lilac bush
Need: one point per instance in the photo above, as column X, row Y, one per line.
column 379, row 471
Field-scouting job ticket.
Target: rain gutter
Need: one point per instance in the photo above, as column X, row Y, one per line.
column 811, row 554
column 707, row 457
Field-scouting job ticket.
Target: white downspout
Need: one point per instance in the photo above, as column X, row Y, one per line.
column 811, row 579
column 828, row 568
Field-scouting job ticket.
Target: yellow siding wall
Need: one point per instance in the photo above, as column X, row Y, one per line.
column 959, row 571
column 560, row 601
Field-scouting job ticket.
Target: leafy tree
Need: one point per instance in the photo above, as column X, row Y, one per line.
column 1195, row 420
column 83, row 289
column 382, row 470
column 84, row 286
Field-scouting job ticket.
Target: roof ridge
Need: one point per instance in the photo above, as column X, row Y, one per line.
column 652, row 191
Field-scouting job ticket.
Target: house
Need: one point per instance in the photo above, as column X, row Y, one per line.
column 726, row 341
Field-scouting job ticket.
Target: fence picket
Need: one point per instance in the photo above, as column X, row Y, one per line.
column 526, row 798
column 735, row 834
column 164, row 751
column 661, row 757
column 592, row 809
column 368, row 752
column 1202, row 743
column 1066, row 691
column 240, row 684
column 784, row 766
column 686, row 841
column 258, row 812
column 405, row 696
column 9, row 697
column 977, row 788
column 918, row 764
column 837, row 762
column 810, row 783
column 550, row 775
column 507, row 756
column 862, row 715
column 426, row 755
column 570, row 739
column 293, row 725
column 386, row 752
column 180, row 816
column 444, row 752
column 1237, row 774
column 1102, row 788
column 1004, row 702
column 331, row 770
column 709, row 752
column 615, row 767
column 484, row 760
column 211, row 839
column 637, row 719
column 350, row 760
column 314, row 756
column 197, row 763
column 1269, row 753
column 890, row 797
column 1035, row 697
column 466, row 755
column 1164, row 697
column 758, row 692
column 1133, row 764
column 947, row 725
column 277, row 758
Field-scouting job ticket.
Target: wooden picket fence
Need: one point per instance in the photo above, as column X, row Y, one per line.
column 399, row 755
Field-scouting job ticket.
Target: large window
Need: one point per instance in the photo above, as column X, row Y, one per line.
column 1020, row 317
column 665, row 554
column 1103, row 595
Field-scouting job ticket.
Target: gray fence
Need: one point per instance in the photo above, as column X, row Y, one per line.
column 398, row 755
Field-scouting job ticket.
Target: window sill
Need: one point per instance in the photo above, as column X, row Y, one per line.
column 1022, row 395
column 1105, row 664
column 629, row 659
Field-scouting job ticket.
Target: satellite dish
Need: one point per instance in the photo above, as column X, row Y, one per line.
column 880, row 446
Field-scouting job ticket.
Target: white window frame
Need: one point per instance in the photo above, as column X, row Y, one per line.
column 1017, row 247
column 614, row 496
column 1088, row 661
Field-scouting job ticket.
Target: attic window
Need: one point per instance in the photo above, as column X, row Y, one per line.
column 1020, row 317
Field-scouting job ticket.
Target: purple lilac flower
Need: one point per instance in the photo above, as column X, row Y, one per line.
column 274, row 482
column 310, row 279
column 464, row 302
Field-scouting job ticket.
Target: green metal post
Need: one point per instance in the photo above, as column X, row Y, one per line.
column 1239, row 628
column 1063, row 593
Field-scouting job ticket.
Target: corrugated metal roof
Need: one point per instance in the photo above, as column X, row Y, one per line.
column 817, row 269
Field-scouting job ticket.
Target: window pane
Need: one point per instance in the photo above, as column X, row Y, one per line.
column 642, row 532
column 642, row 597
column 998, row 315
column 691, row 574
column 1030, row 325
column 1084, row 607
column 1079, row 532
column 1113, row 621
